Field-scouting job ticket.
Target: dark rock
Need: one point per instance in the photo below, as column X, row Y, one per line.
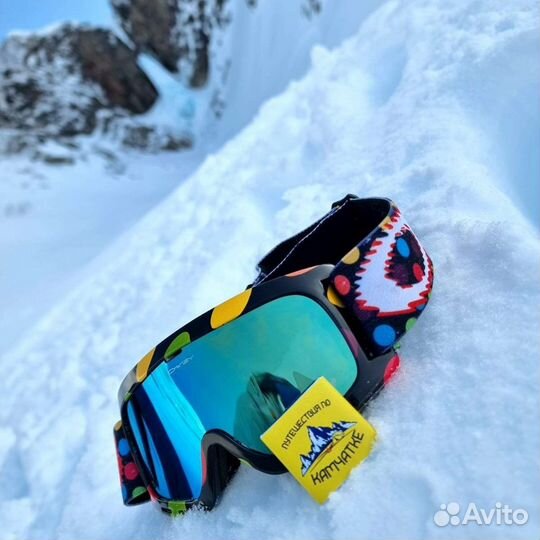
column 52, row 159
column 57, row 83
column 107, row 61
column 152, row 138
column 176, row 32
column 310, row 8
column 152, row 28
column 173, row 144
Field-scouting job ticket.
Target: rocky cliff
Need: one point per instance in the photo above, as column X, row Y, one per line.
column 75, row 80
column 176, row 32
column 58, row 82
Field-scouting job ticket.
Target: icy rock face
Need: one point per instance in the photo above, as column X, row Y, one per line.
column 56, row 83
column 176, row 32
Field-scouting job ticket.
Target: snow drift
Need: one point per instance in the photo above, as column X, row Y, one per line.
column 406, row 109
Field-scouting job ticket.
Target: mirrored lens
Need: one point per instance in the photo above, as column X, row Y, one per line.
column 239, row 378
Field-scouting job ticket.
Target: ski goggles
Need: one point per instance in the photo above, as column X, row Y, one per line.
column 331, row 301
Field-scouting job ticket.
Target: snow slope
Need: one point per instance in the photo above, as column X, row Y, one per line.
column 408, row 109
column 53, row 220
column 264, row 47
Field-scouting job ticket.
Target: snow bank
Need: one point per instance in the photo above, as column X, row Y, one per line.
column 404, row 109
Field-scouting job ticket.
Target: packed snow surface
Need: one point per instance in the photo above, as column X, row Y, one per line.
column 416, row 106
column 54, row 219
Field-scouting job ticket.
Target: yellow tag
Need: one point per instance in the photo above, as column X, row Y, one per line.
column 320, row 439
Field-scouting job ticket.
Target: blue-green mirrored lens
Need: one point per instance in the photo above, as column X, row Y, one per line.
column 239, row 378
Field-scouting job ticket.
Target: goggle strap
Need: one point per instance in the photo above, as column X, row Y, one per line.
column 133, row 488
column 382, row 273
column 327, row 240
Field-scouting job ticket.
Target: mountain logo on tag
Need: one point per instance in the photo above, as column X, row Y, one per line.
column 323, row 439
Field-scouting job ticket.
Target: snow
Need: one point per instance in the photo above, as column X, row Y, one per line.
column 44, row 31
column 264, row 47
column 54, row 220
column 41, row 205
column 255, row 52
column 416, row 106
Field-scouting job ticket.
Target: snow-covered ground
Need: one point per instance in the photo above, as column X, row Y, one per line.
column 431, row 103
column 54, row 220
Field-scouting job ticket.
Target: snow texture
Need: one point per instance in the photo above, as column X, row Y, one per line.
column 416, row 106
column 55, row 219
column 263, row 46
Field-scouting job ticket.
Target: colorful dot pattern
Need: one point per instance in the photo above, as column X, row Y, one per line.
column 133, row 488
column 230, row 309
column 407, row 264
column 177, row 344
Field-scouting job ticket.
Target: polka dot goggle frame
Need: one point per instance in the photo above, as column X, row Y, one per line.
column 362, row 264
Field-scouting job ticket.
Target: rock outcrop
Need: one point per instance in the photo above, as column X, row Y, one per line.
column 58, row 83
column 176, row 32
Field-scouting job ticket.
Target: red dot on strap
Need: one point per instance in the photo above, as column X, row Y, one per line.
column 131, row 472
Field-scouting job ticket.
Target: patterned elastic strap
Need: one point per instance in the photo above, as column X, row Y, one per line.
column 134, row 490
column 383, row 275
